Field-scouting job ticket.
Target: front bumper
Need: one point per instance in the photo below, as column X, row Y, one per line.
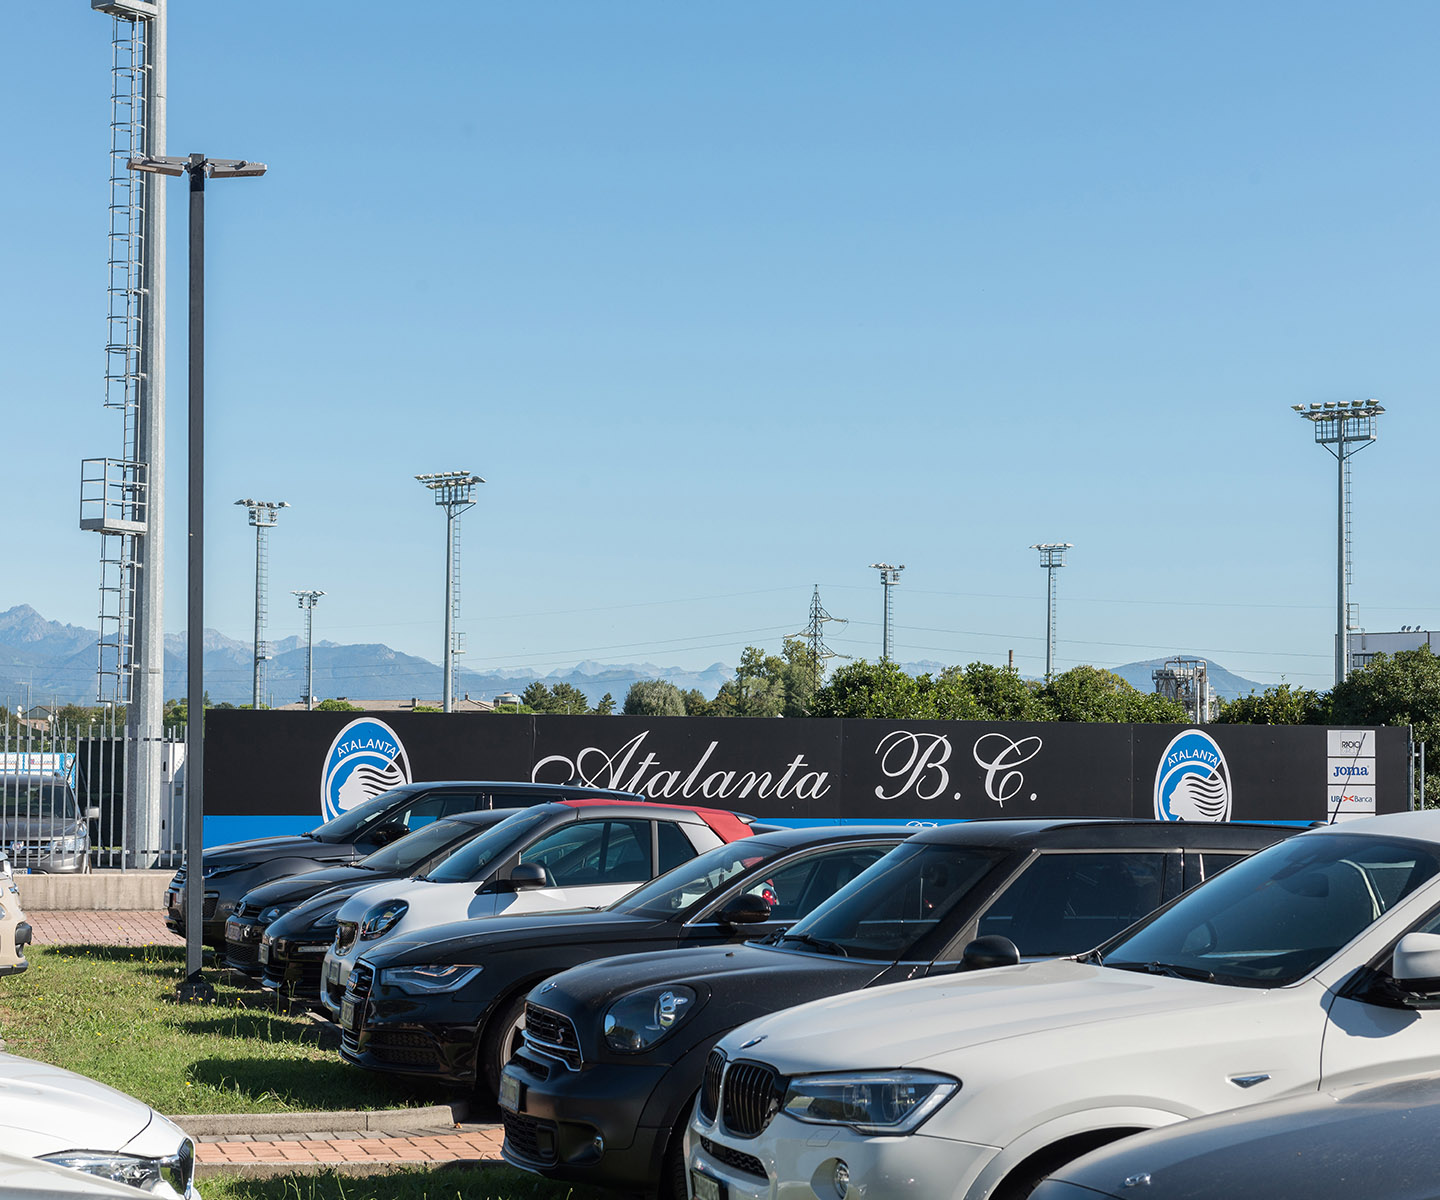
column 597, row 1125
column 426, row 1037
column 793, row 1160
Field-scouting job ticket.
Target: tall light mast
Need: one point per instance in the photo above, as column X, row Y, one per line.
column 307, row 600
column 1052, row 557
column 454, row 491
column 1343, row 429
column 264, row 515
column 889, row 577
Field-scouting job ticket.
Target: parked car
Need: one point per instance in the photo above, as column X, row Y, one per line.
column 233, row 869
column 67, row 1120
column 583, row 1104
column 298, row 967
column 15, row 930
column 573, row 854
column 1380, row 1141
column 451, row 1008
column 1314, row 964
column 41, row 823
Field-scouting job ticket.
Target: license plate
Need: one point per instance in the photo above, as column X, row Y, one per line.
column 706, row 1188
column 264, row 953
column 510, row 1093
column 169, row 899
column 347, row 1013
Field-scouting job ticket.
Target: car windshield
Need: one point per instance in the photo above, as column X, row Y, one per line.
column 681, row 889
column 410, row 851
column 29, row 798
column 467, row 863
column 1275, row 917
column 883, row 912
column 350, row 825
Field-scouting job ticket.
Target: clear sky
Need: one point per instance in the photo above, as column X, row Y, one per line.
column 729, row 300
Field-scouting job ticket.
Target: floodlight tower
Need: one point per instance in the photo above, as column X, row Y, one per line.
column 454, row 492
column 263, row 516
column 1343, row 429
column 1052, row 556
column 889, row 577
column 307, row 600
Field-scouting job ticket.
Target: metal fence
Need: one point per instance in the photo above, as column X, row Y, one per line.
column 63, row 806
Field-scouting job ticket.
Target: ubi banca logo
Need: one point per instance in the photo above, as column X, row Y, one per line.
column 1192, row 782
column 365, row 759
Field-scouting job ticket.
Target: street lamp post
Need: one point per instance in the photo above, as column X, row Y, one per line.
column 199, row 168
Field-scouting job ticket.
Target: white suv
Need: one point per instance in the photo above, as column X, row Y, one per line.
column 1315, row 962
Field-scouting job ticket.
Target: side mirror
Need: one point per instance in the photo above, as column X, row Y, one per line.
column 745, row 909
column 1416, row 964
column 92, row 813
column 992, row 950
column 525, row 877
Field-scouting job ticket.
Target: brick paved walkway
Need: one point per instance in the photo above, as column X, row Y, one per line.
column 464, row 1143
column 101, row 928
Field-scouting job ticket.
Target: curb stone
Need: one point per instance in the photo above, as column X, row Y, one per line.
column 214, row 1126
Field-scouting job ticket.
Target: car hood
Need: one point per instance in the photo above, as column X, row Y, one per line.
column 745, row 980
column 299, row 919
column 260, row 849
column 462, row 941
column 295, row 889
column 45, row 1109
column 924, row 1021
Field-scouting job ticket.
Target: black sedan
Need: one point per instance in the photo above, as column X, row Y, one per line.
column 451, row 1008
column 615, row 1051
column 233, row 869
column 293, row 963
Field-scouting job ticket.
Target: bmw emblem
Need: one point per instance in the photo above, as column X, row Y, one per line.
column 755, row 1041
column 545, row 987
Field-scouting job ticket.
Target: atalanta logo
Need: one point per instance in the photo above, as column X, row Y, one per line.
column 1192, row 782
column 365, row 759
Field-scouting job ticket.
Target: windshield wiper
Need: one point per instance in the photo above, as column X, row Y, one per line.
column 818, row 943
column 1093, row 957
column 1175, row 970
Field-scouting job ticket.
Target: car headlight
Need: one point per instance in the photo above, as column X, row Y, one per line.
column 869, row 1101
column 211, row 871
column 70, row 845
column 159, row 1176
column 381, row 919
column 425, row 980
column 637, row 1021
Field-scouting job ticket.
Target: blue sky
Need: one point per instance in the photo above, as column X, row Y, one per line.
column 726, row 301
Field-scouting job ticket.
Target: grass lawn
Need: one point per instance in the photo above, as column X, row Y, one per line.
column 107, row 1012
column 439, row 1183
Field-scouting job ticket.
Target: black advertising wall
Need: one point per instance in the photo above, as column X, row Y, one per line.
column 264, row 769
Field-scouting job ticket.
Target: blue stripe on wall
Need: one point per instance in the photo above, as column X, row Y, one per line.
column 220, row 830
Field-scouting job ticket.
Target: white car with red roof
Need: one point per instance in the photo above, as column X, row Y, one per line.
column 582, row 853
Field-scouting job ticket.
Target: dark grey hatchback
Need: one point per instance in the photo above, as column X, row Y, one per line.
column 600, row 1092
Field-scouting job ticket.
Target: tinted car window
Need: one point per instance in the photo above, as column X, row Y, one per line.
column 348, row 826
column 409, row 852
column 675, row 847
column 1062, row 902
column 794, row 889
column 1201, row 864
column 1274, row 918
column 889, row 907
column 471, row 859
column 593, row 852
column 694, row 881
column 463, row 802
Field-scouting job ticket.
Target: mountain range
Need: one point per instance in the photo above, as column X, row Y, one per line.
column 44, row 662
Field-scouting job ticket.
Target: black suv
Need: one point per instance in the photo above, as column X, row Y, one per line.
column 233, row 869
column 615, row 1051
column 450, row 1010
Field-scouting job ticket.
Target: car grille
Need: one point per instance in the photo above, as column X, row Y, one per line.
column 710, row 1089
column 403, row 1049
column 734, row 1158
column 212, row 902
column 242, row 954
column 240, row 910
column 751, row 1095
column 179, row 881
column 358, row 990
column 527, row 1138
column 553, row 1035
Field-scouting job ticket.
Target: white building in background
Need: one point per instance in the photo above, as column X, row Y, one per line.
column 1364, row 645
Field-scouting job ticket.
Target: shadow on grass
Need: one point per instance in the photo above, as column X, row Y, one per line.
column 312, row 1086
column 223, row 1020
column 473, row 1183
